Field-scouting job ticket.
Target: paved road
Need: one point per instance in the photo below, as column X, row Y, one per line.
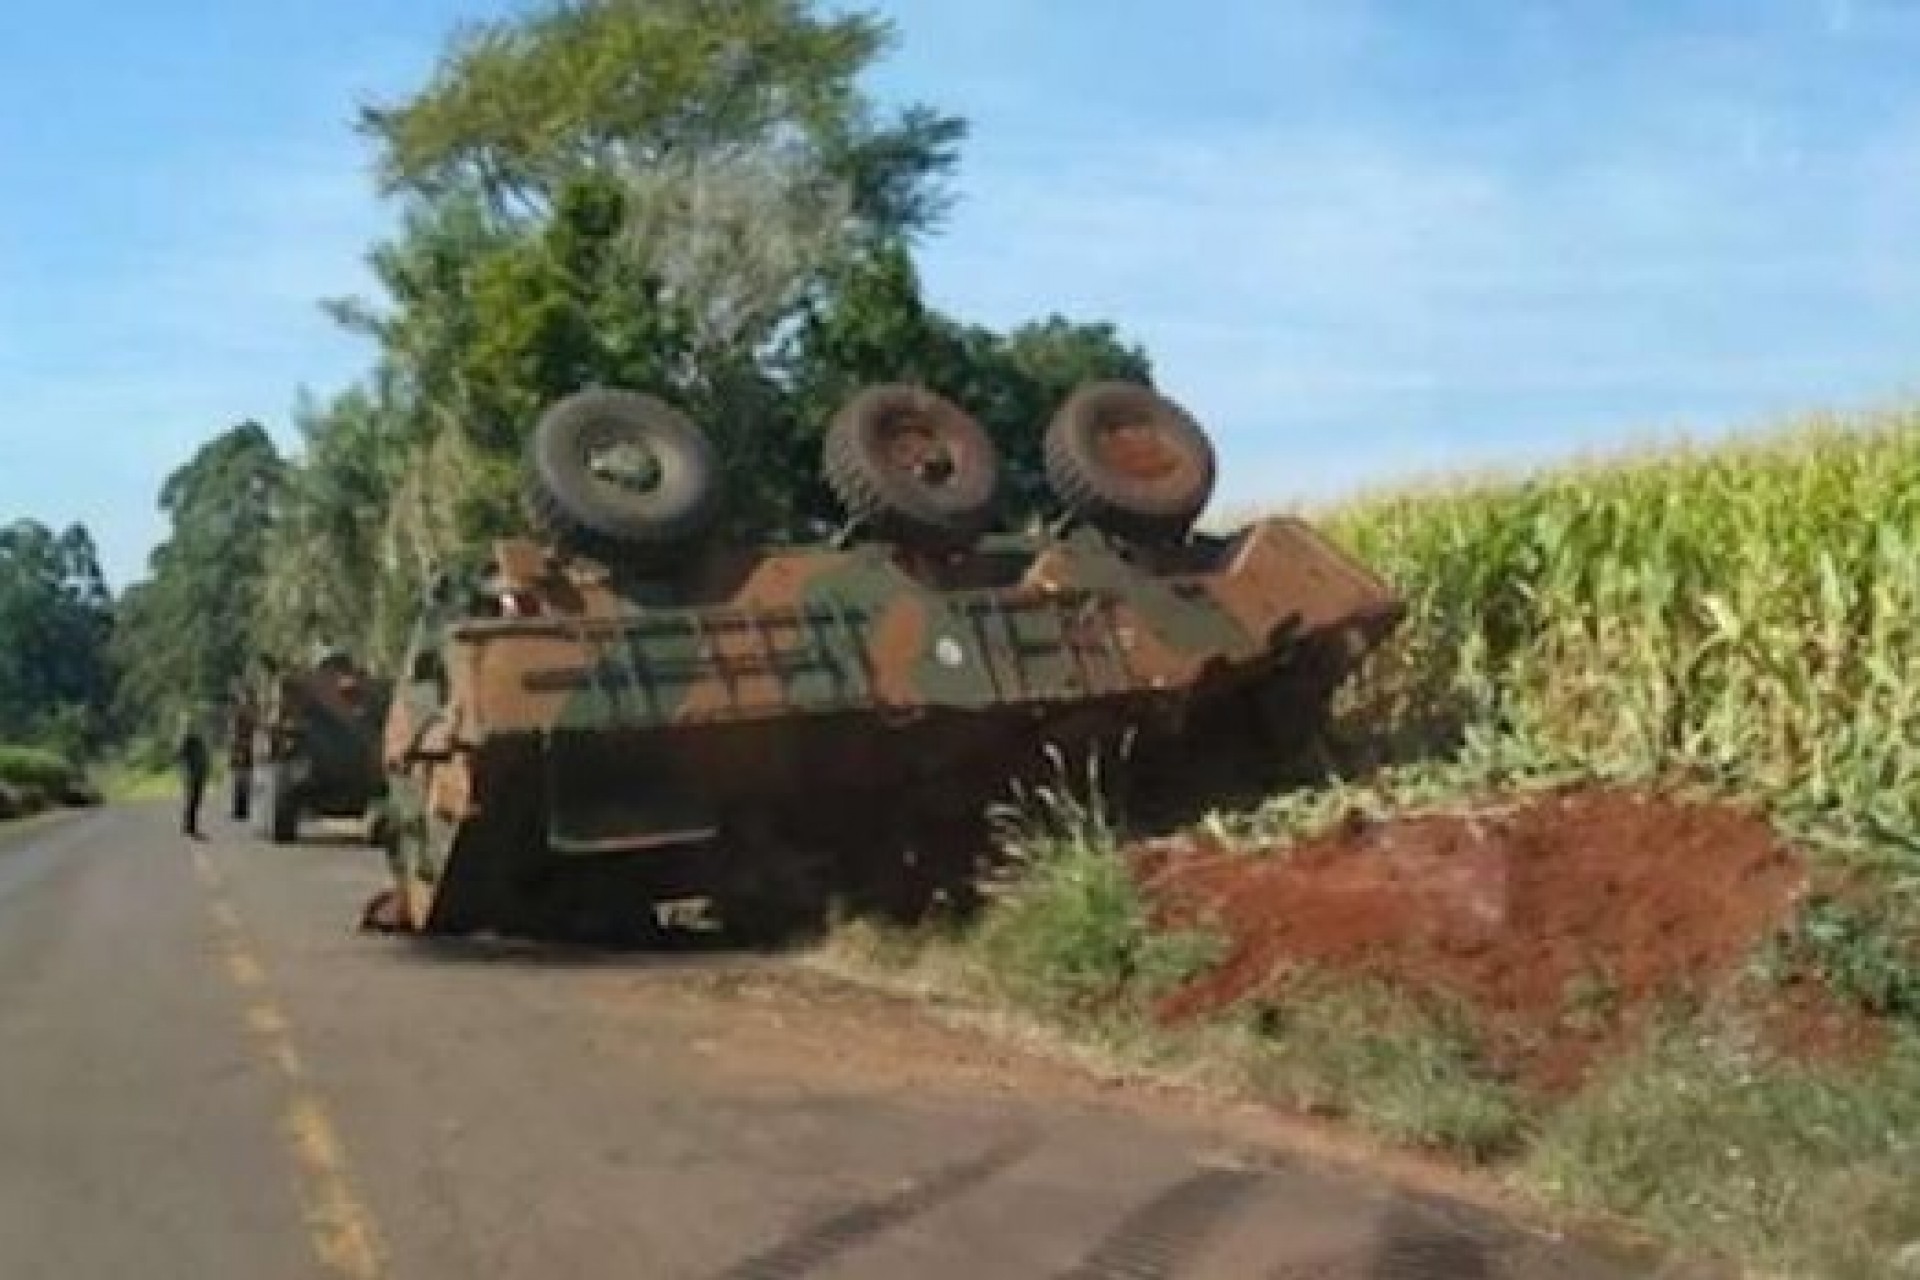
column 205, row 1073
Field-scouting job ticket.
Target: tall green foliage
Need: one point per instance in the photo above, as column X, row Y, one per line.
column 519, row 109
column 698, row 200
column 55, row 625
column 187, row 633
column 1748, row 614
column 871, row 323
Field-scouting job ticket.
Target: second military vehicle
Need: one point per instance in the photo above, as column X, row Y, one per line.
column 317, row 738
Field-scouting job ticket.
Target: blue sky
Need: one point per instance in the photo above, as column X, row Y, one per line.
column 1363, row 240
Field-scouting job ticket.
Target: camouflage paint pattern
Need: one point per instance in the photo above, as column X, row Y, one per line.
column 320, row 727
column 556, row 711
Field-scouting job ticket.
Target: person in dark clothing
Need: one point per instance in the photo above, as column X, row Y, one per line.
column 193, row 779
column 240, row 753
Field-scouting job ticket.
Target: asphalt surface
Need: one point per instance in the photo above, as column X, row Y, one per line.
column 205, row 1072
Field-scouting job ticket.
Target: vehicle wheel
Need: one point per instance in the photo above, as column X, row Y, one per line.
column 416, row 848
column 242, row 796
column 913, row 465
column 771, row 921
column 778, row 895
column 612, row 471
column 586, row 905
column 1126, row 459
column 283, row 809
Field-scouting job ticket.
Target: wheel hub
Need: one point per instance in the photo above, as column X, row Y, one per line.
column 626, row 465
column 918, row 449
column 1138, row 451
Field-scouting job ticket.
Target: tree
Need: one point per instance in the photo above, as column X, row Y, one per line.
column 872, row 324
column 619, row 191
column 691, row 198
column 518, row 109
column 327, row 555
column 55, row 622
column 189, row 633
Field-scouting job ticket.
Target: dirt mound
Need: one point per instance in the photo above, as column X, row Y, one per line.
column 1561, row 922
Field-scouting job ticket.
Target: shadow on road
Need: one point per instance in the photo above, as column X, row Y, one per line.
column 346, row 840
column 1415, row 1243
column 668, row 949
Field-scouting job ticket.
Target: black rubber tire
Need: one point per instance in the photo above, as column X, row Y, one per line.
column 776, row 919
column 1153, row 496
column 582, row 511
column 870, row 468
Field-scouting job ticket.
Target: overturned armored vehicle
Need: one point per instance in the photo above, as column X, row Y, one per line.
column 629, row 712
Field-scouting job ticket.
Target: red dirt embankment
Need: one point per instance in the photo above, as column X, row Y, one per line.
column 1561, row 922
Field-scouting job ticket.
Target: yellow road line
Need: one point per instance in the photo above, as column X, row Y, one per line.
column 339, row 1226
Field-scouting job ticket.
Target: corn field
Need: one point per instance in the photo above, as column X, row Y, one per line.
column 1748, row 615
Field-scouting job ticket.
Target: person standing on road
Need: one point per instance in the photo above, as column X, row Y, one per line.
column 192, row 755
column 240, row 750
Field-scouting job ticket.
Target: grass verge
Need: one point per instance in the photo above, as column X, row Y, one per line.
column 1697, row 1139
column 33, row 780
column 1716, row 1146
column 1403, row 1070
column 1070, row 935
column 122, row 782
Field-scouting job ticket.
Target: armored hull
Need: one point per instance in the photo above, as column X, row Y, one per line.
column 580, row 734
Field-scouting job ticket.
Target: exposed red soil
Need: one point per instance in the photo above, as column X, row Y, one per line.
column 1561, row 922
column 1806, row 1019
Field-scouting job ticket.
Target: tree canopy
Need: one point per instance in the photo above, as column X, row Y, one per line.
column 55, row 623
column 518, row 109
column 690, row 198
column 186, row 633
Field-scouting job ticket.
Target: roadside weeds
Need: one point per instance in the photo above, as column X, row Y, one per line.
column 1703, row 1133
